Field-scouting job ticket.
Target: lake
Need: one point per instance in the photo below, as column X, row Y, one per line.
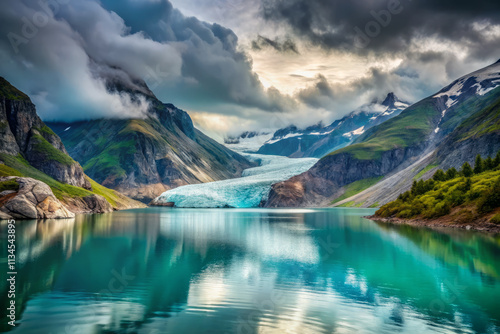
column 161, row 270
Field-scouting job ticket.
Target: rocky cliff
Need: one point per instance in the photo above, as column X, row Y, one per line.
column 23, row 132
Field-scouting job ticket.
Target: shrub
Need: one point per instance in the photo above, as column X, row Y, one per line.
column 490, row 200
column 495, row 219
column 9, row 185
column 456, row 197
column 439, row 176
column 441, row 209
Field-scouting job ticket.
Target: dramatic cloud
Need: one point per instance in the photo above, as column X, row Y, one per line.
column 388, row 25
column 241, row 64
column 63, row 53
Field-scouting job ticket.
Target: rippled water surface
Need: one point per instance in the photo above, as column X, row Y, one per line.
column 161, row 270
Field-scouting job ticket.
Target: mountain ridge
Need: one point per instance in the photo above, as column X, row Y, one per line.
column 319, row 140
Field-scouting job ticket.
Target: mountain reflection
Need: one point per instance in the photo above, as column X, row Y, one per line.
column 250, row 271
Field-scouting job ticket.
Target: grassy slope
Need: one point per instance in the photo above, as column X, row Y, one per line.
column 50, row 152
column 10, row 92
column 425, row 170
column 18, row 166
column 485, row 121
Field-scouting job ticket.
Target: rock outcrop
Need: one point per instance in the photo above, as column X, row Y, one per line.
column 88, row 204
column 32, row 199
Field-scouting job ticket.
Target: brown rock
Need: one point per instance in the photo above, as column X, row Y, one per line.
column 33, row 200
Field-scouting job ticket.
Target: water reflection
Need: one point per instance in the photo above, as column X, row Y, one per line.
column 251, row 271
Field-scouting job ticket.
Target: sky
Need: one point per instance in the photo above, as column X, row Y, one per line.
column 242, row 64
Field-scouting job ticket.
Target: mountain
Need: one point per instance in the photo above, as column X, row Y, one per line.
column 38, row 179
column 445, row 129
column 144, row 157
column 319, row 140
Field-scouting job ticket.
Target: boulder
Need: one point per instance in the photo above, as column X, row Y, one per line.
column 33, row 200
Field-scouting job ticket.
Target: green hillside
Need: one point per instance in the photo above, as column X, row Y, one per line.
column 485, row 121
column 474, row 192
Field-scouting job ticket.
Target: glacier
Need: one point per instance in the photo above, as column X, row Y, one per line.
column 247, row 191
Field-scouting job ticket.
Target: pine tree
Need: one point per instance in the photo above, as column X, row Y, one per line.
column 451, row 173
column 488, row 164
column 466, row 170
column 478, row 165
column 439, row 176
column 414, row 188
column 497, row 159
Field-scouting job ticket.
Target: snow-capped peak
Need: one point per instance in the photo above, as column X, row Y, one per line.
column 479, row 82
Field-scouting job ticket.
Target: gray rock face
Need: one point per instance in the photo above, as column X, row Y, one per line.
column 456, row 153
column 33, row 200
column 23, row 132
column 317, row 186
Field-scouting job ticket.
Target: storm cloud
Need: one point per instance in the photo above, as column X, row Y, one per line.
column 61, row 53
column 242, row 64
column 389, row 25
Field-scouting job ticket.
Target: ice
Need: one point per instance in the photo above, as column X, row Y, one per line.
column 245, row 192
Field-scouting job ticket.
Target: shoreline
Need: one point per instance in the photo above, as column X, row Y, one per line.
column 480, row 225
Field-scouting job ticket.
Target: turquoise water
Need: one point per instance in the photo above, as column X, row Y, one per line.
column 161, row 270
